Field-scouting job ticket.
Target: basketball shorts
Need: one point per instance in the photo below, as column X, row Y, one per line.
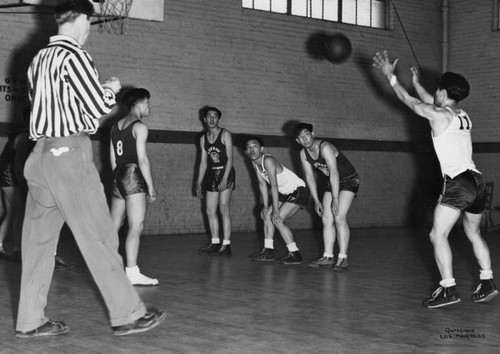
column 466, row 192
column 127, row 180
column 214, row 176
column 299, row 196
column 349, row 183
column 7, row 177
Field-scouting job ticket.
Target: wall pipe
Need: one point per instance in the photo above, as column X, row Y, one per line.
column 445, row 43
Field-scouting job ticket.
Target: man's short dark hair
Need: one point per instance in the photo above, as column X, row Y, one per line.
column 131, row 97
column 69, row 10
column 252, row 137
column 455, row 85
column 300, row 127
column 215, row 109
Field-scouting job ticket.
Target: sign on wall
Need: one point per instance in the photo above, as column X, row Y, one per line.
column 14, row 90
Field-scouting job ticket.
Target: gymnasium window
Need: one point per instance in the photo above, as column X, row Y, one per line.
column 370, row 13
column 496, row 17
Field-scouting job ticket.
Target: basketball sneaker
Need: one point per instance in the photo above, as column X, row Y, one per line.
column 253, row 255
column 442, row 297
column 211, row 248
column 267, row 255
column 292, row 258
column 341, row 265
column 323, row 262
column 486, row 290
column 225, row 250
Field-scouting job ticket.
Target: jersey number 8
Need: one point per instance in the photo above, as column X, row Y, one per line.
column 119, row 148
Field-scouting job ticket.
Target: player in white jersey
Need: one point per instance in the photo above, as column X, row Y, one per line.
column 288, row 195
column 463, row 187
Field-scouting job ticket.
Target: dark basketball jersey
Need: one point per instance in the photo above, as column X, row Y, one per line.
column 124, row 144
column 217, row 156
column 344, row 166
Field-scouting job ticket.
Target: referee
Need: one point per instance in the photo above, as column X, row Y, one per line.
column 64, row 185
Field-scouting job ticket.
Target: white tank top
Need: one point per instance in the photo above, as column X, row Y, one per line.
column 454, row 145
column 287, row 180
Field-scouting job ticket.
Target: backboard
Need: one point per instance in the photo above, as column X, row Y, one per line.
column 150, row 10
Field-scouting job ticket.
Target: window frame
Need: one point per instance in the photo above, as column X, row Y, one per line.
column 384, row 18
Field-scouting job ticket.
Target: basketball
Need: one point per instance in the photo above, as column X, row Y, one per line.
column 338, row 48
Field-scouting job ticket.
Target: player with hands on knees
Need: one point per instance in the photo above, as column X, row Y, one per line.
column 288, row 195
column 339, row 182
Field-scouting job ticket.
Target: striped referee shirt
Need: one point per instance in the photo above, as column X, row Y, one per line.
column 65, row 92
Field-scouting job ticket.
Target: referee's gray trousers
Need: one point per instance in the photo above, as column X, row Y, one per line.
column 64, row 186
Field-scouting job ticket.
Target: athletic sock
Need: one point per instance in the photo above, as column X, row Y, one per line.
column 269, row 243
column 215, row 240
column 485, row 274
column 132, row 270
column 447, row 282
column 226, row 242
column 292, row 247
column 327, row 255
column 342, row 255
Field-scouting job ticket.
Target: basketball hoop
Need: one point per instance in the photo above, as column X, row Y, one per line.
column 114, row 16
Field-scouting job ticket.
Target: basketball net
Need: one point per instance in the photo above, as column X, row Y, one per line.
column 114, row 16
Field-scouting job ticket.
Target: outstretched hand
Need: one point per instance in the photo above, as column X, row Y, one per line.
column 415, row 78
column 381, row 61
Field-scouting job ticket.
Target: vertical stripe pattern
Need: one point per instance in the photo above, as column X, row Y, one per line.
column 65, row 92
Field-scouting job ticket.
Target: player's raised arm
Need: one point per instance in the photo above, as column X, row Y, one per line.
column 421, row 91
column 381, row 61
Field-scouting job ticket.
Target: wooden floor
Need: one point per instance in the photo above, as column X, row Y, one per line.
column 236, row 305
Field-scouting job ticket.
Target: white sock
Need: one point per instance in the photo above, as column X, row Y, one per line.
column 447, row 282
column 215, row 240
column 292, row 247
column 328, row 255
column 226, row 242
column 137, row 278
column 269, row 243
column 132, row 270
column 342, row 255
column 485, row 274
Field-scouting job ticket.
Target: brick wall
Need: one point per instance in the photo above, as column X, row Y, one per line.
column 474, row 52
column 256, row 68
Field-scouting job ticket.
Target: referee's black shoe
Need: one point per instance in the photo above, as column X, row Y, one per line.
column 150, row 320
